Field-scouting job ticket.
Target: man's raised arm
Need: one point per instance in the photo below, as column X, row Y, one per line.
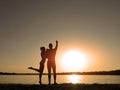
column 56, row 45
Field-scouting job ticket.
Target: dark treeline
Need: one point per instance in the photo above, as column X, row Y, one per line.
column 113, row 72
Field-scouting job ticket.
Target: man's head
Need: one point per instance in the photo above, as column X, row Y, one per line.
column 50, row 45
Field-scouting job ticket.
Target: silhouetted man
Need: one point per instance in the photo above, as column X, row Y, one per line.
column 51, row 53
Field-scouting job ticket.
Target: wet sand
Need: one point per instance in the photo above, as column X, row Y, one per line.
column 60, row 87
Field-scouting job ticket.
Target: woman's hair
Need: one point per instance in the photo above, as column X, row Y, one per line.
column 42, row 48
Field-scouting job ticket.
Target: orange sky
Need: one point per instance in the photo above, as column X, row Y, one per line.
column 90, row 26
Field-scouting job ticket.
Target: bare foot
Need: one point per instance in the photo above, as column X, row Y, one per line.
column 30, row 67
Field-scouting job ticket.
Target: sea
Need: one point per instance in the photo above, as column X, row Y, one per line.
column 74, row 79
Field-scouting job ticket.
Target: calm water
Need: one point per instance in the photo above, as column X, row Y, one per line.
column 34, row 79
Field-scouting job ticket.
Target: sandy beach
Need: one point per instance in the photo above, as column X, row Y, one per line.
column 60, row 87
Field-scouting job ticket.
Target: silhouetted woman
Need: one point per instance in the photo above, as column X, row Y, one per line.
column 41, row 68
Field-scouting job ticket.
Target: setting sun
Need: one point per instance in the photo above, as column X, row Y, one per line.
column 74, row 60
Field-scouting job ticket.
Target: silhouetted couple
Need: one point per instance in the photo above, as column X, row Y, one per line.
column 51, row 64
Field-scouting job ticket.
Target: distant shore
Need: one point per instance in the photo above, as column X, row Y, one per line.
column 60, row 87
column 112, row 72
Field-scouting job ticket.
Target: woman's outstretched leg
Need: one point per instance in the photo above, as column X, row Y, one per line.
column 35, row 69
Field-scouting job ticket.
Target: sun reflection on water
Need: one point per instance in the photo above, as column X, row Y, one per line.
column 75, row 79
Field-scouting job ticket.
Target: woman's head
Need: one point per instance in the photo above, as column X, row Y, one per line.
column 42, row 49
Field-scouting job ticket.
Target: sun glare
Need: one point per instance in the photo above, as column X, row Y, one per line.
column 74, row 79
column 74, row 60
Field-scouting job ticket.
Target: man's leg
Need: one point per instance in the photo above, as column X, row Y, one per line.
column 54, row 73
column 49, row 73
column 49, row 78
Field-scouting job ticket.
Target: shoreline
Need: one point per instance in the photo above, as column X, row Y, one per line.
column 62, row 86
column 111, row 72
